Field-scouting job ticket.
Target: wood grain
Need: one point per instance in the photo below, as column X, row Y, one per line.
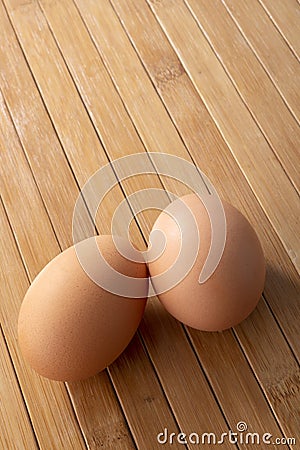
column 16, row 431
column 271, row 50
column 48, row 404
column 251, row 79
column 242, row 135
column 285, row 15
column 99, row 414
column 24, row 103
column 280, row 384
column 115, row 128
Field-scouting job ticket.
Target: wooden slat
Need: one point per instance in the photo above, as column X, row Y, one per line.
column 83, row 162
column 99, row 414
column 245, row 140
column 150, row 43
column 222, row 366
column 134, row 82
column 278, row 373
column 272, row 362
column 48, row 403
column 24, row 102
column 249, row 77
column 286, row 17
column 270, row 48
column 16, row 430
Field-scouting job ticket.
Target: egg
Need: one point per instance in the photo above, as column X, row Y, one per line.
column 232, row 291
column 71, row 328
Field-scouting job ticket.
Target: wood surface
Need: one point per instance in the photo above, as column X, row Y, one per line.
column 216, row 83
column 285, row 16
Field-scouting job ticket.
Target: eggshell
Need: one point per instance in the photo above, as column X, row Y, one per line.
column 70, row 328
column 232, row 291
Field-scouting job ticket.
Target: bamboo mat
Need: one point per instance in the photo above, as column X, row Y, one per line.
column 84, row 82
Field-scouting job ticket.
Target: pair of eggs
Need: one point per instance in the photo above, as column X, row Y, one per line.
column 71, row 328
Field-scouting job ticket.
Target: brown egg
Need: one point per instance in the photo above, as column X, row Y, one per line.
column 69, row 327
column 233, row 290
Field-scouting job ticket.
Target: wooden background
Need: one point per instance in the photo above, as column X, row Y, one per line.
column 215, row 82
